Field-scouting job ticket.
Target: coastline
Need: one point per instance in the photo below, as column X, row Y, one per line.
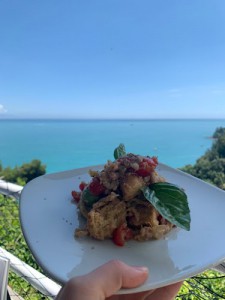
column 71, row 143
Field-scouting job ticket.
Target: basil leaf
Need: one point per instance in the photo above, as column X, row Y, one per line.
column 119, row 151
column 170, row 201
column 88, row 197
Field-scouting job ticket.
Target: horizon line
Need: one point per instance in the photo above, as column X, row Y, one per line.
column 108, row 119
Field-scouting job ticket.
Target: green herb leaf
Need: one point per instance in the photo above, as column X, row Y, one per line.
column 119, row 151
column 88, row 197
column 170, row 201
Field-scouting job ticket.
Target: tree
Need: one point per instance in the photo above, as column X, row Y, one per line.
column 24, row 173
column 211, row 166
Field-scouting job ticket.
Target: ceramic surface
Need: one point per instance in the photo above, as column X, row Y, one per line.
column 49, row 219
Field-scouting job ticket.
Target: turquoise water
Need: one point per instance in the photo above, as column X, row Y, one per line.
column 67, row 144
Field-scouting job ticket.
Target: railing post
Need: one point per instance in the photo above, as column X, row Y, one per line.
column 39, row 281
column 10, row 189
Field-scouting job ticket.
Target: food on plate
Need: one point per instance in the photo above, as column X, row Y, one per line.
column 129, row 199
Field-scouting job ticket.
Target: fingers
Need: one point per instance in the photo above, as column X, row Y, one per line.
column 115, row 275
column 106, row 280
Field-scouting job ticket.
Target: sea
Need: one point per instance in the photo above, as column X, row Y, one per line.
column 68, row 144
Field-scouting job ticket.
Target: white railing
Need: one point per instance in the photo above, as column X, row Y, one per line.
column 10, row 189
column 39, row 281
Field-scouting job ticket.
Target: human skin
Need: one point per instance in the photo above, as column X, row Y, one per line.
column 105, row 281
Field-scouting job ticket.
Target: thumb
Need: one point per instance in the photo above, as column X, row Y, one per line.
column 112, row 276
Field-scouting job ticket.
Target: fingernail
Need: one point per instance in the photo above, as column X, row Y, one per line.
column 141, row 268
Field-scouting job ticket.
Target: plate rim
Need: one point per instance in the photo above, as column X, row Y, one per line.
column 61, row 280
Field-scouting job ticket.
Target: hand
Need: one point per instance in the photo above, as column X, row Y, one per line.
column 105, row 281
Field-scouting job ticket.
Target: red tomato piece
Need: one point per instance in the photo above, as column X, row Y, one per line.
column 162, row 221
column 122, row 234
column 76, row 196
column 147, row 166
column 95, row 187
column 82, row 185
column 155, row 160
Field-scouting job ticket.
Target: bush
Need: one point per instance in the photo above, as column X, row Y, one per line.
column 24, row 173
column 13, row 241
column 211, row 166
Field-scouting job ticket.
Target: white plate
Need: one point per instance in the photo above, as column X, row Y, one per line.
column 49, row 219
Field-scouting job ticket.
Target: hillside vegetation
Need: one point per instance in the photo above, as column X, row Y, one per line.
column 24, row 173
column 211, row 166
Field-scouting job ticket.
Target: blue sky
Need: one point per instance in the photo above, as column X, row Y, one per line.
column 112, row 59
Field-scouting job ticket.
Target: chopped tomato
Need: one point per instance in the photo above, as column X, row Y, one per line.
column 82, row 185
column 95, row 187
column 161, row 220
column 76, row 196
column 147, row 166
column 122, row 234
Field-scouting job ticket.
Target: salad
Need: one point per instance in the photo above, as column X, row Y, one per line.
column 128, row 199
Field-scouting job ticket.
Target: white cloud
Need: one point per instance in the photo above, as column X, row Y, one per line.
column 2, row 109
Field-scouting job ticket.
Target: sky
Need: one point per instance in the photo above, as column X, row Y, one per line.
column 128, row 59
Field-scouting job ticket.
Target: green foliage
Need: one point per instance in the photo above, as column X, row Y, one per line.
column 10, row 232
column 23, row 289
column 24, row 173
column 209, row 285
column 219, row 132
column 219, row 146
column 13, row 241
column 211, row 166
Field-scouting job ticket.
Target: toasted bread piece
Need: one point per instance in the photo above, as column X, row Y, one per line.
column 155, row 177
column 146, row 221
column 131, row 185
column 106, row 215
column 141, row 213
column 156, row 232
